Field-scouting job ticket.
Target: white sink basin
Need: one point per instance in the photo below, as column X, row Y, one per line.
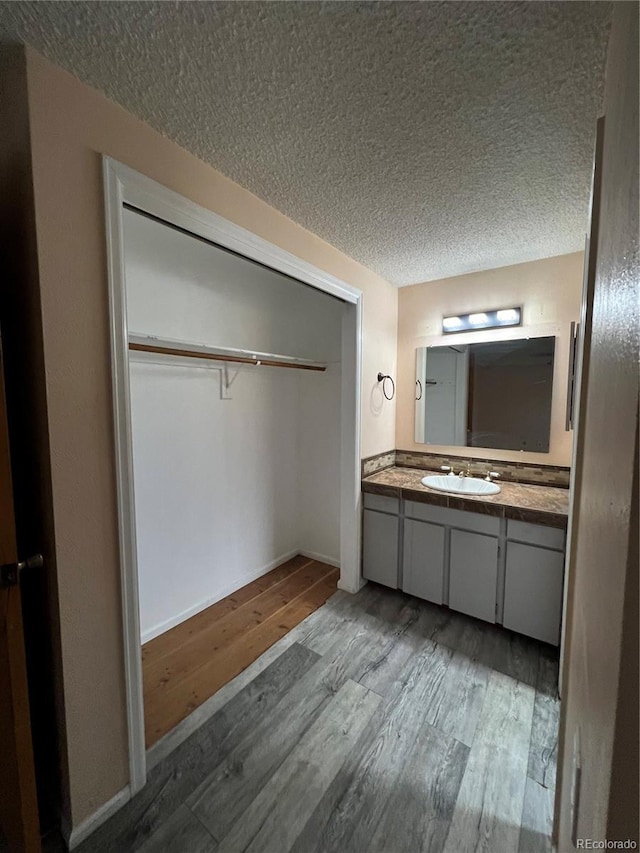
column 460, row 485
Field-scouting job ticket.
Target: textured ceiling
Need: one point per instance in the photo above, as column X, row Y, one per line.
column 423, row 139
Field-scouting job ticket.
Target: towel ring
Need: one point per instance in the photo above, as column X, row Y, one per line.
column 382, row 377
column 419, row 384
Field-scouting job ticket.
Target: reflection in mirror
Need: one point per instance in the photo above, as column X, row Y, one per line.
column 495, row 394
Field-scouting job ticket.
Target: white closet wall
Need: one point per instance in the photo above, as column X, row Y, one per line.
column 319, row 463
column 226, row 489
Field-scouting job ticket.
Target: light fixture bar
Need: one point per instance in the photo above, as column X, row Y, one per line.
column 479, row 320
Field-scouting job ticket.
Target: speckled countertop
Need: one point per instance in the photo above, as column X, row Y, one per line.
column 538, row 504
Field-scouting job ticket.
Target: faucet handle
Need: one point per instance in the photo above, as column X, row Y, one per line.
column 445, row 467
column 491, row 475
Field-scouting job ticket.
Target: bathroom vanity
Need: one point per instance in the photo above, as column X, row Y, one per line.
column 498, row 558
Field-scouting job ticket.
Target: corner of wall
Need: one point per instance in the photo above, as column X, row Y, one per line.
column 379, row 355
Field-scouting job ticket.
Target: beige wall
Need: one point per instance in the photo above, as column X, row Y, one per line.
column 550, row 292
column 71, row 126
column 601, row 694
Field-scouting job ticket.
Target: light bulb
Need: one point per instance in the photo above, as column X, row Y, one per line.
column 478, row 319
column 451, row 322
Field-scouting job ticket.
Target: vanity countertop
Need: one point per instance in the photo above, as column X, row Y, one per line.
column 522, row 502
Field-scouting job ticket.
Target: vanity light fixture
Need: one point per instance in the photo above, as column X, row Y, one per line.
column 452, row 324
column 498, row 319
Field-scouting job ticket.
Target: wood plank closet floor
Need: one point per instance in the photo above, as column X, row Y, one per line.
column 183, row 667
column 379, row 724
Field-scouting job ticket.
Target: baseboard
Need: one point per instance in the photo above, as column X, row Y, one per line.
column 167, row 625
column 322, row 558
column 348, row 588
column 78, row 834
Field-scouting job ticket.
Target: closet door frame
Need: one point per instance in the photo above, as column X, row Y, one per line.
column 123, row 185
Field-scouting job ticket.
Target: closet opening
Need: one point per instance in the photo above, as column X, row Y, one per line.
column 235, row 390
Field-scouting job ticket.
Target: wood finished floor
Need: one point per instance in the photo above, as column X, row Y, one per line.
column 185, row 666
column 379, row 723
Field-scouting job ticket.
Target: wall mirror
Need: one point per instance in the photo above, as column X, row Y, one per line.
column 495, row 394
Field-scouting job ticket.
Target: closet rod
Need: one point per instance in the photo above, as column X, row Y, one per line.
column 210, row 356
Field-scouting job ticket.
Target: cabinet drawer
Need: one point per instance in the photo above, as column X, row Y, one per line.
column 474, row 521
column 381, row 503
column 536, row 534
column 427, row 512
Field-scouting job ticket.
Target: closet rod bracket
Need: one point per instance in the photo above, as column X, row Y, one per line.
column 227, row 378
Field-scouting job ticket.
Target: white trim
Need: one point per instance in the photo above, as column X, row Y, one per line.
column 78, row 834
column 114, row 197
column 168, row 624
column 322, row 558
column 151, row 197
column 350, row 486
column 354, row 587
column 124, row 185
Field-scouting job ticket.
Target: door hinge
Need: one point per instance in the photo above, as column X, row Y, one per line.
column 10, row 572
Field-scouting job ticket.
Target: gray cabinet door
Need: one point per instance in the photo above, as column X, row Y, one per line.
column 473, row 574
column 380, row 548
column 533, row 591
column 423, row 560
